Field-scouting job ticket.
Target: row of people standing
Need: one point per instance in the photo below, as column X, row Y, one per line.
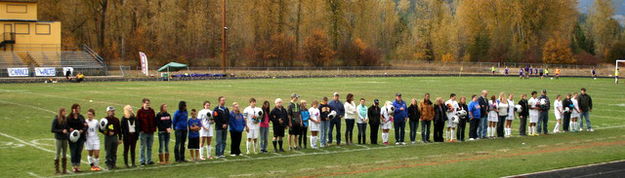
column 486, row 117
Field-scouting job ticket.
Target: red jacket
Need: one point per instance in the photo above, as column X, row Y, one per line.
column 147, row 119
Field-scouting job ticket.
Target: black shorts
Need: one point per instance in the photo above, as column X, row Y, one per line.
column 194, row 143
column 278, row 131
column 295, row 130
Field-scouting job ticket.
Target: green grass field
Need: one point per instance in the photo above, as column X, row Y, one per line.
column 26, row 144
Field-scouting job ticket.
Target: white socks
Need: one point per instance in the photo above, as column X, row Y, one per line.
column 313, row 141
column 489, row 132
column 96, row 161
column 247, row 145
column 384, row 137
column 557, row 128
column 208, row 151
column 202, row 152
column 89, row 159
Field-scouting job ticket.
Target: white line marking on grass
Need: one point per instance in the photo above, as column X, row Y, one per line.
column 33, row 145
column 242, row 175
column 34, row 175
column 28, row 105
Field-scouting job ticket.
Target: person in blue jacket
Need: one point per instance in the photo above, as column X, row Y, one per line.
column 237, row 124
column 400, row 116
column 475, row 113
column 180, row 130
column 305, row 116
column 337, row 106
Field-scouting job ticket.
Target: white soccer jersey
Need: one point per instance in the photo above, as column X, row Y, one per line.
column 249, row 113
column 207, row 129
column 533, row 102
column 454, row 105
column 386, row 117
column 92, row 131
column 558, row 108
column 314, row 115
column 575, row 112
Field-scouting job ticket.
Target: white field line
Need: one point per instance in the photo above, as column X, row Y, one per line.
column 28, row 105
column 33, row 145
column 34, row 175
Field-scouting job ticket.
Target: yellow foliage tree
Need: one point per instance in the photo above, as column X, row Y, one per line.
column 557, row 51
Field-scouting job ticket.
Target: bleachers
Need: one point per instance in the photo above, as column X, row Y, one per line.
column 78, row 59
column 10, row 59
column 46, row 58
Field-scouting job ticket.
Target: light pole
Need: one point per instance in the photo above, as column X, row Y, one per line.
column 224, row 38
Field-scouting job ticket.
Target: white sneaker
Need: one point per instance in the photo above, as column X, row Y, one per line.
column 471, row 139
column 591, row 130
column 397, row 143
column 413, row 142
column 403, row 143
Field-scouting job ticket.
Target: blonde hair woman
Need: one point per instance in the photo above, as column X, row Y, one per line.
column 502, row 107
column 510, row 117
column 130, row 128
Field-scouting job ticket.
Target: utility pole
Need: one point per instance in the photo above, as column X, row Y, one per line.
column 223, row 38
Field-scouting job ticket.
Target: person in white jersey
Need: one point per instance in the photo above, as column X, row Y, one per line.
column 251, row 114
column 92, row 144
column 452, row 108
column 206, row 132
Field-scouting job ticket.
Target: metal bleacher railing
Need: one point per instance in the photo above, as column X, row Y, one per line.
column 84, row 60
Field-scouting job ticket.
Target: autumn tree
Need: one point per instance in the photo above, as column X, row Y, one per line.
column 317, row 50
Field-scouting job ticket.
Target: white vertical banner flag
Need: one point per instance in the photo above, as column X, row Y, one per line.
column 144, row 63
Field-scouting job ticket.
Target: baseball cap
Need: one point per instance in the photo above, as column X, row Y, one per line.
column 110, row 108
column 397, row 94
column 376, row 101
column 295, row 95
column 335, row 94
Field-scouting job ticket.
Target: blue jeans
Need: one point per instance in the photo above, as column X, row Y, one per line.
column 264, row 138
column 336, row 122
column 581, row 122
column 543, row 120
column 146, row 147
column 425, row 130
column 163, row 142
column 181, row 137
column 324, row 132
column 481, row 133
column 400, row 126
column 414, row 125
column 220, row 147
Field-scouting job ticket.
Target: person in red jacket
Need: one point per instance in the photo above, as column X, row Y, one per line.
column 147, row 118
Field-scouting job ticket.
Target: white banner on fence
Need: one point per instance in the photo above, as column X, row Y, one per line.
column 45, row 71
column 144, row 63
column 18, row 72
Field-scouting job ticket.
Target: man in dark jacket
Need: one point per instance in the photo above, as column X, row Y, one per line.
column 585, row 107
column 221, row 114
column 440, row 116
column 295, row 121
column 523, row 115
column 483, row 100
column 147, row 119
column 337, row 106
column 374, row 120
column 112, row 137
column 543, row 118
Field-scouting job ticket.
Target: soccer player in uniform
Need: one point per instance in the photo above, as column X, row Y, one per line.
column 59, row 128
column 253, row 119
column 452, row 109
column 593, row 72
column 510, row 118
column 575, row 114
column 616, row 73
column 294, row 122
column 521, row 76
column 557, row 73
column 558, row 111
column 92, row 143
column 386, row 121
column 314, row 122
column 194, row 125
column 493, row 117
column 206, row 132
column 279, row 121
column 533, row 104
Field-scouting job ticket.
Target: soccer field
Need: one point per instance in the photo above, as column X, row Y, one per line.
column 27, row 146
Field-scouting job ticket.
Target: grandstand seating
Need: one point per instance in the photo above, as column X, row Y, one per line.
column 10, row 59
